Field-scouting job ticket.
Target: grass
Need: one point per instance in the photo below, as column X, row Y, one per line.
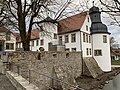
column 115, row 62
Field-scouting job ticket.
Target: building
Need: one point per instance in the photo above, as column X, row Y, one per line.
column 100, row 40
column 75, row 32
column 7, row 40
column 115, row 53
column 83, row 32
column 34, row 43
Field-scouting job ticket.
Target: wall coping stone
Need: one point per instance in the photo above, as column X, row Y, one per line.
column 19, row 82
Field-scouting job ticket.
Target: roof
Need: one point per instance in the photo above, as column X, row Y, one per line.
column 71, row 24
column 3, row 29
column 34, row 35
column 116, row 51
column 94, row 9
column 17, row 35
column 97, row 26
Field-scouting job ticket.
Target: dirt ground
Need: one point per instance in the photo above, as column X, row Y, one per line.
column 89, row 83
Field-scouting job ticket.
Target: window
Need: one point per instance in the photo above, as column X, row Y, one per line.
column 60, row 40
column 67, row 49
column 73, row 37
column 87, row 52
column 117, row 51
column 10, row 46
column 104, row 39
column 73, row 49
column 42, row 42
column 83, row 37
column 8, row 36
column 55, row 36
column 19, row 45
column 98, row 52
column 89, row 39
column 86, row 28
column 66, row 39
column 32, row 43
column 86, row 38
column 90, row 51
column 37, row 41
column 88, row 19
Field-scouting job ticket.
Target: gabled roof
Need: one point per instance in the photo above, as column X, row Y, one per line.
column 17, row 35
column 3, row 29
column 34, row 35
column 116, row 51
column 71, row 24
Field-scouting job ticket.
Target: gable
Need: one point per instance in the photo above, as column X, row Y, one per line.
column 71, row 24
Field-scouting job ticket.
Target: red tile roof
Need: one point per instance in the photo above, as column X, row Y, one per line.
column 116, row 51
column 71, row 24
column 3, row 29
column 34, row 35
column 17, row 35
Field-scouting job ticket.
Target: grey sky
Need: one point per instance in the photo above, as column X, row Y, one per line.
column 114, row 30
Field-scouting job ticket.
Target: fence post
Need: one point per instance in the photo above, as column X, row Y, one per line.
column 29, row 76
column 18, row 69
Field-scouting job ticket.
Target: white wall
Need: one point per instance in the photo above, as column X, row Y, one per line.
column 47, row 36
column 103, row 61
column 35, row 47
column 70, row 44
column 86, row 45
column 12, row 40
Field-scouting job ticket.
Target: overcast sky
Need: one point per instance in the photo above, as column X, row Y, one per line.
column 114, row 30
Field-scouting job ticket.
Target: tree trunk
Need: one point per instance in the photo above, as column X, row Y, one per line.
column 22, row 27
column 26, row 45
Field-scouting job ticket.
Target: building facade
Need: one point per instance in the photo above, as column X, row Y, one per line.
column 100, row 40
column 83, row 32
column 7, row 40
column 115, row 53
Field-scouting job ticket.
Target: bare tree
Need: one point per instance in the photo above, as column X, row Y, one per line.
column 24, row 14
column 112, row 41
column 112, row 7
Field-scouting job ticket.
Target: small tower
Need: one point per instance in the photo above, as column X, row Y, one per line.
column 100, row 40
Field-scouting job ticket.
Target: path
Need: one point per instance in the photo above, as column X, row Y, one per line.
column 115, row 65
column 5, row 84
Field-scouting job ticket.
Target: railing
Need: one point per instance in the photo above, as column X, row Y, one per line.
column 33, row 76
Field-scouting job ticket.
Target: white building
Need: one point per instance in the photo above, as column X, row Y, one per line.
column 82, row 32
column 75, row 32
column 34, row 43
column 100, row 40
column 7, row 40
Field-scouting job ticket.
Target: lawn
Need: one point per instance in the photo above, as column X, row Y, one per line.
column 115, row 62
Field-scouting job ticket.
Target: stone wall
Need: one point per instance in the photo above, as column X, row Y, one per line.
column 47, row 69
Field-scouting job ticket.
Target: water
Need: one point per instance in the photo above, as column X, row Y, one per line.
column 113, row 84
